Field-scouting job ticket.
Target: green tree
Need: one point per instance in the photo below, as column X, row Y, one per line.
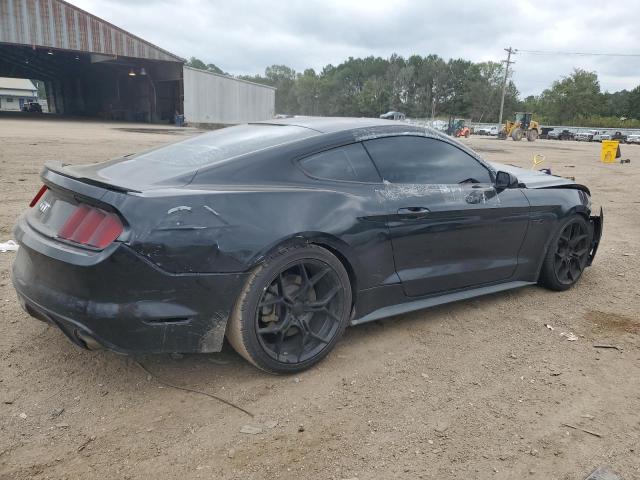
column 200, row 65
column 284, row 79
column 572, row 97
column 484, row 82
column 615, row 104
column 307, row 91
column 429, row 86
column 633, row 104
column 376, row 97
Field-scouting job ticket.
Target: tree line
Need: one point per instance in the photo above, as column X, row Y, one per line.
column 431, row 87
column 578, row 100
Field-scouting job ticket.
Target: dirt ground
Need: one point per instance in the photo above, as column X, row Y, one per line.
column 478, row 389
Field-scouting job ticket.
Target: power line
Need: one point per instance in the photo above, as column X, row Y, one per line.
column 582, row 54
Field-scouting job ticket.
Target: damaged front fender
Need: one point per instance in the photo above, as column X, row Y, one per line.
column 597, row 223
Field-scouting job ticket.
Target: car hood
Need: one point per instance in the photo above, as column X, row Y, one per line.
column 533, row 178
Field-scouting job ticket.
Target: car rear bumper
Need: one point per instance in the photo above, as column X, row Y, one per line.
column 119, row 300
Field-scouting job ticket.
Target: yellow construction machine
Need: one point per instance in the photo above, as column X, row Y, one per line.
column 520, row 127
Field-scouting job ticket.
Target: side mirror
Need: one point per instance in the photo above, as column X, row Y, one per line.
column 505, row 180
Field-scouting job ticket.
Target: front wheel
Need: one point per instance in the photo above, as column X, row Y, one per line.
column 517, row 134
column 567, row 255
column 532, row 135
column 292, row 310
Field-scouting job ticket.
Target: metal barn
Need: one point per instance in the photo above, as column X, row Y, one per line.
column 93, row 68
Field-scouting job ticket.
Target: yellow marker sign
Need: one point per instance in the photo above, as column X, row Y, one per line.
column 537, row 160
column 609, row 151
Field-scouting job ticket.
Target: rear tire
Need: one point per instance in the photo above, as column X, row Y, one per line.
column 292, row 311
column 532, row 135
column 567, row 255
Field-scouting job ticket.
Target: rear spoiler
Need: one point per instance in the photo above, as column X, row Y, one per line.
column 58, row 168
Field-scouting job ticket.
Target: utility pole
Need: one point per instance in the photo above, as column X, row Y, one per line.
column 507, row 62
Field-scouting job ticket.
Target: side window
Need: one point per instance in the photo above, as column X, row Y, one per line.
column 409, row 159
column 351, row 163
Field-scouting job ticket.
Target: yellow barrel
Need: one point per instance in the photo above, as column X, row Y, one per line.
column 608, row 153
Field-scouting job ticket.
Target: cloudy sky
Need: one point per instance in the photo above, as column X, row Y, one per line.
column 245, row 36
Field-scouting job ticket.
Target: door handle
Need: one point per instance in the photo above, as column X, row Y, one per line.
column 414, row 212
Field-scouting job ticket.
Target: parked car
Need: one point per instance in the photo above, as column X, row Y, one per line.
column 392, row 115
column 280, row 234
column 599, row 137
column 560, row 135
column 491, row 130
column 633, row 138
column 553, row 135
column 544, row 131
column 621, row 137
column 32, row 107
column 439, row 125
column 610, row 136
column 587, row 136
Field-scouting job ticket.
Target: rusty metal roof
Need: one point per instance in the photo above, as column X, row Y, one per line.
column 57, row 24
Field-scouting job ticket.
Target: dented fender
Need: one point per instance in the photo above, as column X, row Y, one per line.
column 597, row 223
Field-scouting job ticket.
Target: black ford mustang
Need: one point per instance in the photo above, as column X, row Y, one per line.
column 280, row 234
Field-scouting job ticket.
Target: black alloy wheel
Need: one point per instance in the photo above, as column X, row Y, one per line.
column 567, row 255
column 298, row 313
column 292, row 311
column 572, row 252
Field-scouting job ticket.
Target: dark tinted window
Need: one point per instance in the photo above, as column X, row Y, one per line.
column 350, row 162
column 424, row 160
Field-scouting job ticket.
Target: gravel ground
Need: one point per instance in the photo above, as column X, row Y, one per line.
column 477, row 389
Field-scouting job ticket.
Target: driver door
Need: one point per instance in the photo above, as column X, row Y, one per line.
column 450, row 228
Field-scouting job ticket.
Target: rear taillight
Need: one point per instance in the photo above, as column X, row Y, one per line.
column 91, row 226
column 38, row 196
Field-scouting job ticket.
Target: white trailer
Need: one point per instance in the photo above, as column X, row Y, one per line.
column 210, row 98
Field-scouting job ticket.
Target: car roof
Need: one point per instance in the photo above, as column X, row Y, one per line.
column 331, row 124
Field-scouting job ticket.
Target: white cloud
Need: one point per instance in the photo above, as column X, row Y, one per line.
column 245, row 36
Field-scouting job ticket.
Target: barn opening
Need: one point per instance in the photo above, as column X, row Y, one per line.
column 96, row 85
column 89, row 66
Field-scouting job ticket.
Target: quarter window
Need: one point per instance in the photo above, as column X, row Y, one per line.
column 422, row 160
column 350, row 163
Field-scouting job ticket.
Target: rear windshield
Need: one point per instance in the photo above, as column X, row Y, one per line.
column 204, row 150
